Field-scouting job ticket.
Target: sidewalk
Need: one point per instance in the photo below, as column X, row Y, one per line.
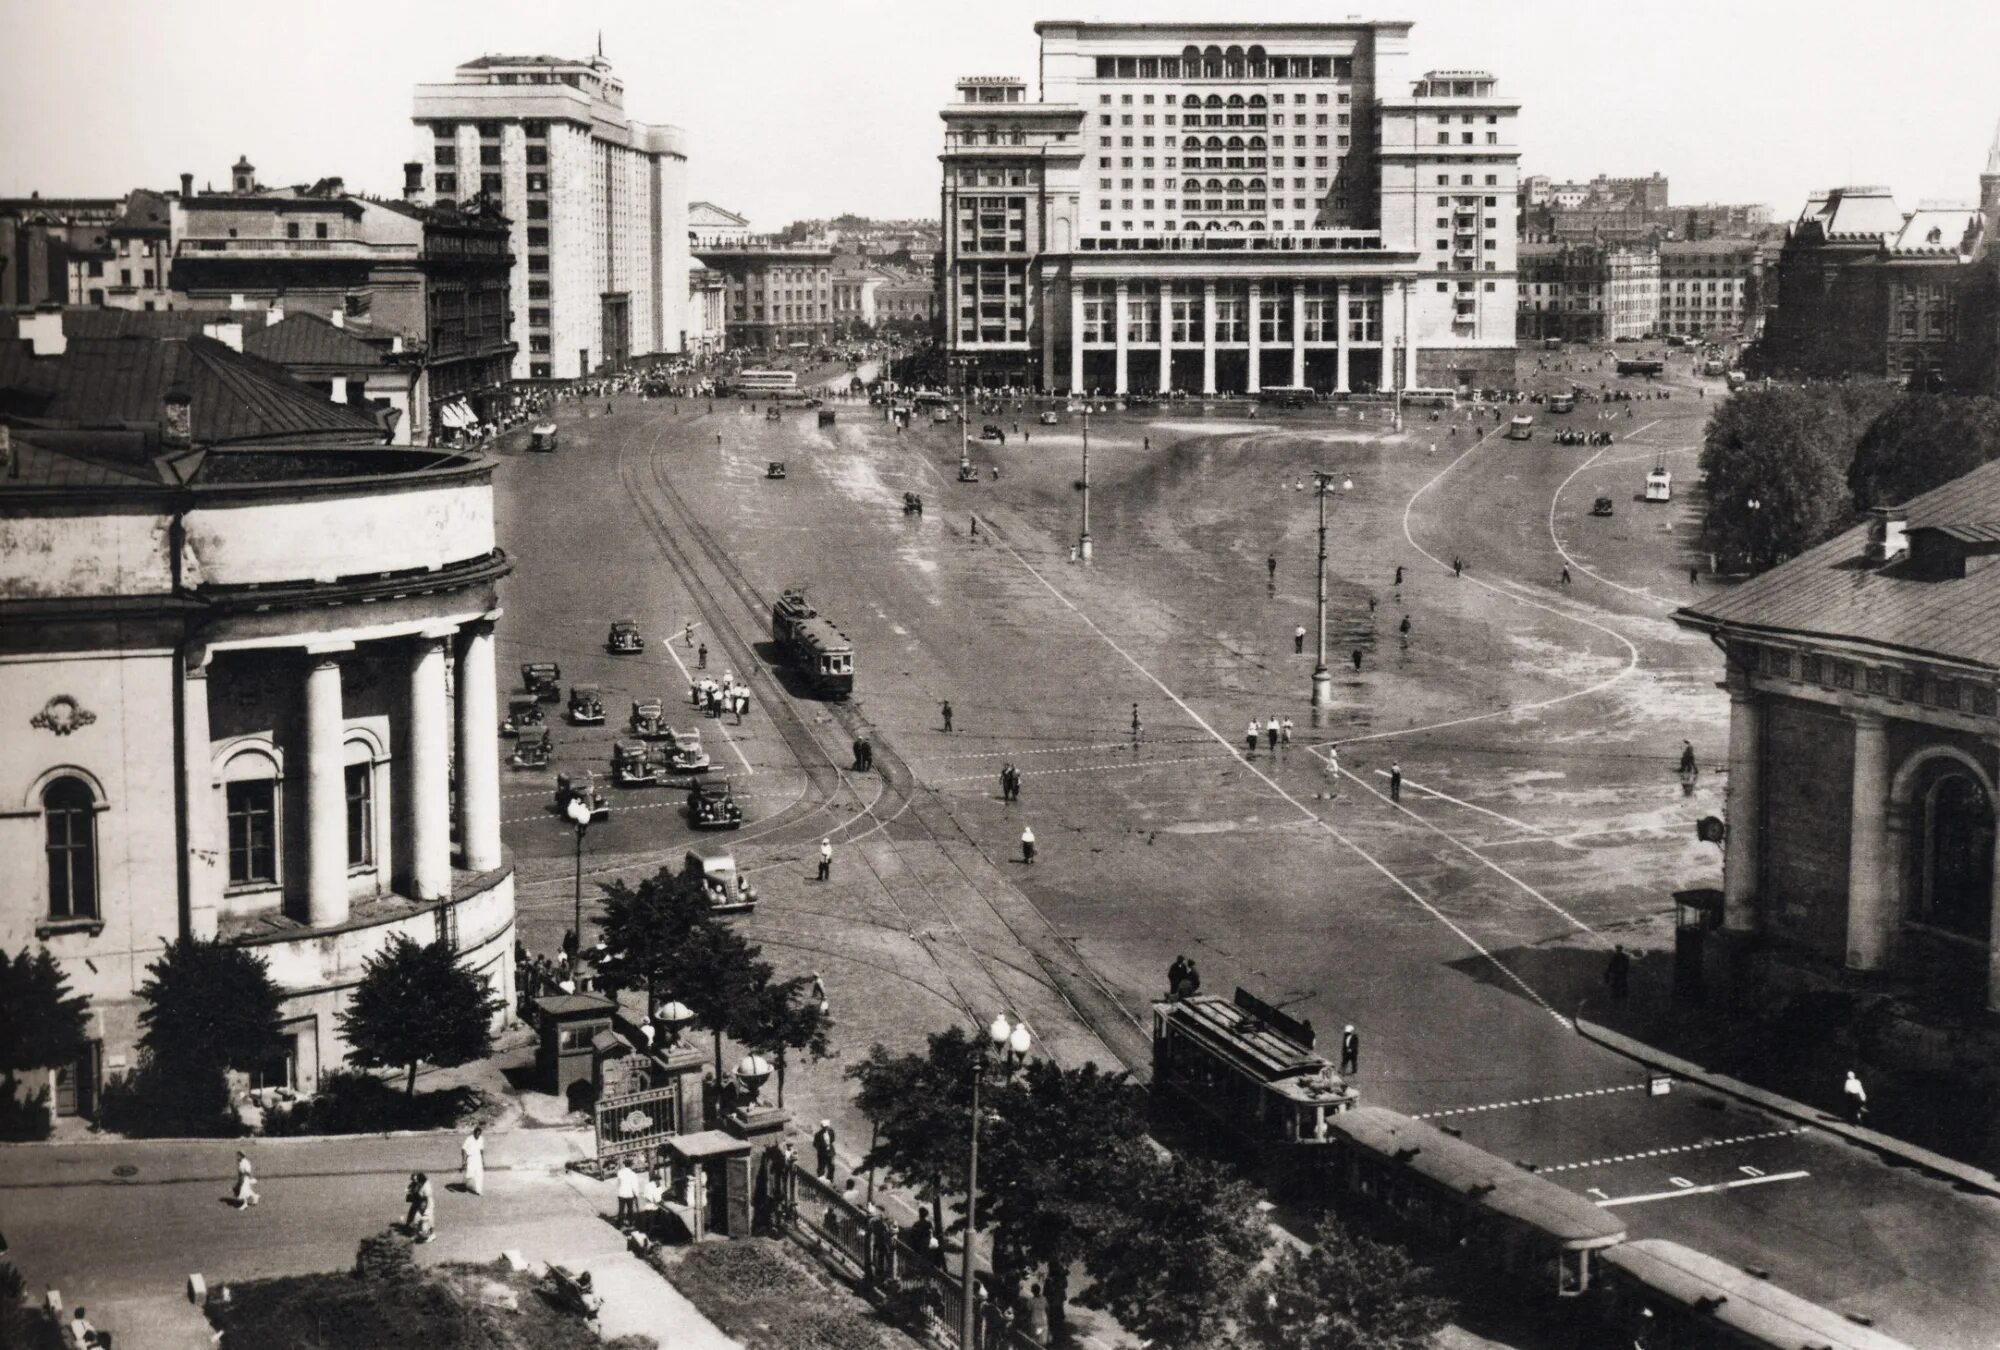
column 1964, row 1174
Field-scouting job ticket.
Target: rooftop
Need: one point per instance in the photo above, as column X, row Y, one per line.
column 309, row 340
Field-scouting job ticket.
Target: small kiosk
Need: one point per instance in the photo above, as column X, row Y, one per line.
column 566, row 1056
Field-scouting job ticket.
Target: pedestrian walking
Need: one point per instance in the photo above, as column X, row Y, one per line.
column 1350, row 1050
column 1175, row 974
column 1028, row 844
column 1694, row 576
column 1618, row 973
column 944, row 710
column 246, row 1182
column 1271, row 568
column 1271, row 731
column 1857, row 1098
column 1395, row 782
column 1399, row 574
column 857, row 755
column 629, row 1190
column 1250, row 739
column 1135, row 721
column 1285, row 734
column 1299, row 639
column 701, row 657
column 473, row 1150
column 687, row 633
column 825, row 859
column 1688, row 765
column 1371, row 604
column 1565, row 580
column 1332, row 771
column 1457, row 568
column 823, row 1141
column 1404, row 628
column 1357, row 660
column 975, row 527
column 424, row 1226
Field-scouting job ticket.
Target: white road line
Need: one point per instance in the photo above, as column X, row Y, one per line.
column 1571, row 558
column 1484, row 811
column 1077, row 748
column 1701, row 1190
column 1674, row 1149
column 1302, row 809
column 1469, row 850
column 1530, row 1101
column 747, row 767
column 1094, row 768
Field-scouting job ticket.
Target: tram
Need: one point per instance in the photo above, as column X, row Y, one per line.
column 1681, row 1299
column 812, row 645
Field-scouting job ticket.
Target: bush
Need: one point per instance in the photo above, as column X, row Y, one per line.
column 388, row 1255
column 350, row 1101
column 26, row 1118
column 170, row 1101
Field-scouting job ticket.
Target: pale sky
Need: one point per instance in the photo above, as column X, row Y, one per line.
column 802, row 109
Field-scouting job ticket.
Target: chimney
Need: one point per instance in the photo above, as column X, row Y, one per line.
column 337, row 316
column 1888, row 536
column 228, row 334
column 43, row 331
column 413, row 180
column 187, row 186
column 176, row 420
column 275, row 314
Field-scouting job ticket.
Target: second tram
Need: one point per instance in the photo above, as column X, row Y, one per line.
column 813, row 646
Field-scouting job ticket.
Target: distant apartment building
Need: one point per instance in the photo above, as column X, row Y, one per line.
column 710, row 226
column 1711, row 286
column 62, row 250
column 597, row 201
column 708, row 310
column 776, row 296
column 906, row 303
column 1610, row 209
column 1588, row 292
column 1226, row 207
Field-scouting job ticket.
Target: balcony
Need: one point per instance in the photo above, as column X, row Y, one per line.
column 358, row 249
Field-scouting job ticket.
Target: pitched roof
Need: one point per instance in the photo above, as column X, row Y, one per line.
column 1830, row 592
column 91, row 322
column 719, row 215
column 308, row 340
column 110, row 382
column 1861, row 212
column 1937, row 230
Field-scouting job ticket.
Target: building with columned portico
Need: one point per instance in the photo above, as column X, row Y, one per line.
column 1864, row 754
column 246, row 685
column 1225, row 208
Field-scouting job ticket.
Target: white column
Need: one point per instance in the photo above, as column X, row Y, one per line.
column 1869, row 921
column 1256, row 302
column 478, row 755
column 1208, row 337
column 1743, row 805
column 1047, row 320
column 1166, row 318
column 326, row 788
column 1410, row 380
column 1340, row 331
column 207, row 848
column 1298, row 334
column 1122, row 315
column 430, row 775
column 1075, row 338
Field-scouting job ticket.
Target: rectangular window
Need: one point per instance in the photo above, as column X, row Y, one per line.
column 447, row 185
column 444, row 154
column 360, row 815
column 69, row 810
column 538, row 182
column 538, row 155
column 291, row 230
column 253, row 833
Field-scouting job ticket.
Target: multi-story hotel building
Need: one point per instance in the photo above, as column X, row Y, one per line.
column 1711, row 286
column 598, row 202
column 777, row 295
column 1229, row 207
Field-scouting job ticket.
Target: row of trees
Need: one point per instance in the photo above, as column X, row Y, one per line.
column 1788, row 468
column 664, row 938
column 1176, row 1249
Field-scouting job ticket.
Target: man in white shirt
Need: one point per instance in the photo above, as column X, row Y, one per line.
column 473, row 1148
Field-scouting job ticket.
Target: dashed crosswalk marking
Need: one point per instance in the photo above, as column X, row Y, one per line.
column 1531, row 1101
column 1674, row 1149
column 1093, row 768
column 1683, row 1188
column 1070, row 749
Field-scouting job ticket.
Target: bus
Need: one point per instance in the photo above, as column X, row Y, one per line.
column 1641, row 366
column 1521, row 429
column 1659, row 485
column 1431, row 398
column 1288, row 395
column 763, row 383
column 1562, row 403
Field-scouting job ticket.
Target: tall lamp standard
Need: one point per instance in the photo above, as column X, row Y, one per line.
column 578, row 812
column 1322, row 694
column 1007, row 1045
column 1083, row 538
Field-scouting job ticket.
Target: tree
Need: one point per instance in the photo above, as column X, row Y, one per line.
column 42, row 1024
column 210, row 1006
column 720, row 976
column 646, row 927
column 1922, row 442
column 921, row 1107
column 417, row 1004
column 1171, row 1243
column 1056, row 1148
column 781, row 1018
column 1344, row 1292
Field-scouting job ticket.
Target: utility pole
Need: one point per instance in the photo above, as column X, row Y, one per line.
column 1083, row 539
column 1322, row 681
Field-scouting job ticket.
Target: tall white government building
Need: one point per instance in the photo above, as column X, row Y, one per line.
column 598, row 202
column 1229, row 208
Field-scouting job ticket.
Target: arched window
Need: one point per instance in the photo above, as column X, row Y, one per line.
column 360, row 769
column 1215, row 185
column 1256, row 142
column 1236, row 185
column 1192, row 185
column 1234, row 53
column 69, row 816
column 1191, row 53
column 1191, row 143
column 1235, row 100
column 1257, row 101
column 1192, row 100
column 1236, row 143
column 1256, row 185
column 1957, row 859
column 1215, row 143
column 1214, row 101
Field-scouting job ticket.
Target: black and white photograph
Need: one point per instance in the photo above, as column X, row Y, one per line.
column 914, row 675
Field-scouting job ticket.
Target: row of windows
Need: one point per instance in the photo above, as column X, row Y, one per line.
column 1233, row 63
column 533, row 128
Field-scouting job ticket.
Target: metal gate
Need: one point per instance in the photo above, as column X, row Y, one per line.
column 635, row 1122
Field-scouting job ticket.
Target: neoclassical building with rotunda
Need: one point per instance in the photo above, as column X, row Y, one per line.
column 246, row 684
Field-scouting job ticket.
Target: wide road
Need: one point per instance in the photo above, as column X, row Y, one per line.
column 1535, row 725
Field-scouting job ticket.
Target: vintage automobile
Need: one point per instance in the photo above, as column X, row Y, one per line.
column 524, row 711
column 543, row 679
column 992, row 432
column 684, row 752
column 582, row 787
column 532, row 751
column 771, row 414
column 586, row 705
column 625, row 639
column 712, row 806
column 1048, row 419
column 1602, row 507
column 543, row 437
column 966, row 473
column 775, row 469
column 943, row 416
column 649, row 719
column 638, row 763
column 827, row 417
column 913, row 505
column 728, row 890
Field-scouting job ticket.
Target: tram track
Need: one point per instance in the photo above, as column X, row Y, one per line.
column 1063, row 970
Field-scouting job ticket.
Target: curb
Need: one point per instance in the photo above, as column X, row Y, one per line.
column 1936, row 1164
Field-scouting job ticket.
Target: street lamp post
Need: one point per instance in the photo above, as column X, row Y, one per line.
column 1322, row 686
column 578, row 812
column 1083, row 538
column 1007, row 1042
